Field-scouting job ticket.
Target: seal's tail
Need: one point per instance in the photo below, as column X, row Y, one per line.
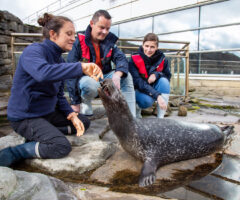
column 227, row 130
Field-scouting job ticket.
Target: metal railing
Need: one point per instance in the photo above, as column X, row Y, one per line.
column 178, row 56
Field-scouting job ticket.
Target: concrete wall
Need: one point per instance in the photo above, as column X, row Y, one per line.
column 216, row 85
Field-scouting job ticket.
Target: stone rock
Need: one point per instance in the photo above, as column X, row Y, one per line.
column 110, row 137
column 80, row 160
column 26, row 29
column 64, row 192
column 120, row 161
column 3, row 26
column 5, row 32
column 3, row 103
column 5, row 69
column 15, row 185
column 147, row 111
column 98, row 113
column 11, row 140
column 33, row 186
column 175, row 102
column 5, row 62
column 3, row 112
column 5, row 82
column 97, row 126
column 5, row 39
column 3, row 55
column 191, row 89
column 3, row 47
column 182, row 111
column 5, row 130
column 85, row 139
column 8, row 182
column 7, row 16
column 20, row 28
column 121, row 172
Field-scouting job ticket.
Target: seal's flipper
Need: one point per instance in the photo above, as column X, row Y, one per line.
column 147, row 176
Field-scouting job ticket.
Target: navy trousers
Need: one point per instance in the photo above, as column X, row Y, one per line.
column 47, row 131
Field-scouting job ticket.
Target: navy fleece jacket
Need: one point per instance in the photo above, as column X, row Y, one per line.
column 38, row 86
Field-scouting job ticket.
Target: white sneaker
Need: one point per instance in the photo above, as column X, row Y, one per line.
column 160, row 112
column 86, row 108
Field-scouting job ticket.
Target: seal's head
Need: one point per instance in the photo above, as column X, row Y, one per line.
column 112, row 99
column 108, row 91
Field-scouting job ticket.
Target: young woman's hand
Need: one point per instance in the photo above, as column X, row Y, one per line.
column 152, row 78
column 92, row 70
column 162, row 104
column 77, row 123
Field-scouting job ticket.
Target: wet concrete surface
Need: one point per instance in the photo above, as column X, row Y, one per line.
column 221, row 184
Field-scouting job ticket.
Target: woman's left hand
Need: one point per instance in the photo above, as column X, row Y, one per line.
column 77, row 123
column 152, row 78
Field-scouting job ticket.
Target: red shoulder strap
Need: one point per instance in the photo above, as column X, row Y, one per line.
column 109, row 54
column 139, row 62
column 160, row 66
column 84, row 47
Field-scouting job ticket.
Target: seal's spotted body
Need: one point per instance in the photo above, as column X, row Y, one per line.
column 156, row 141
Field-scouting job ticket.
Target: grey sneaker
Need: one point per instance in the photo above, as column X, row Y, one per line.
column 86, row 108
column 138, row 111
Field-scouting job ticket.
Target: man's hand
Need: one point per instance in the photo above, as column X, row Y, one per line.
column 152, row 78
column 161, row 103
column 76, row 108
column 92, row 70
column 116, row 79
column 76, row 123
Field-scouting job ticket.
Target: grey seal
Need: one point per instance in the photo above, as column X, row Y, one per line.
column 157, row 142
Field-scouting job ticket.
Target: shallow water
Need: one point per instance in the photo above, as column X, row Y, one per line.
column 223, row 183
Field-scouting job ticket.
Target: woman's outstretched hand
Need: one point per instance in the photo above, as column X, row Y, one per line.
column 92, row 70
column 77, row 123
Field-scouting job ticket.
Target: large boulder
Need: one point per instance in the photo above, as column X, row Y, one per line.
column 16, row 185
column 81, row 159
column 8, row 182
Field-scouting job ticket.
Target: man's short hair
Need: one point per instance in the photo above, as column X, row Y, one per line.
column 100, row 13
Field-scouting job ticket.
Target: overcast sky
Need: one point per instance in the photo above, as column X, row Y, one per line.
column 23, row 8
